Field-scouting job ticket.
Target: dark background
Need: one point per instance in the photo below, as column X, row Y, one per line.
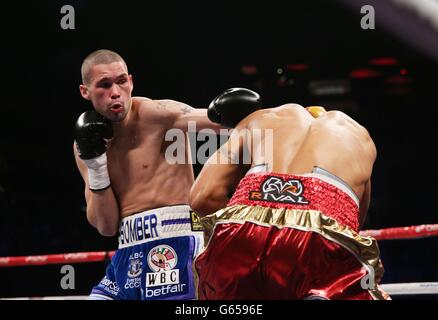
column 190, row 52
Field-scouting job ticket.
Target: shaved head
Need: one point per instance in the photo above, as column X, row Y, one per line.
column 102, row 56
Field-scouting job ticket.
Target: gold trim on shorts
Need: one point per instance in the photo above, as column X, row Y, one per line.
column 365, row 249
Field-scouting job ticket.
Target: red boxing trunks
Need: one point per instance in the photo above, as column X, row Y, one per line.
column 288, row 237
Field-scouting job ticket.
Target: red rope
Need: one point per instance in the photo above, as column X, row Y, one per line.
column 412, row 232
column 62, row 258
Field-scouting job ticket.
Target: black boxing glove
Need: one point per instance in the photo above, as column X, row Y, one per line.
column 91, row 130
column 233, row 105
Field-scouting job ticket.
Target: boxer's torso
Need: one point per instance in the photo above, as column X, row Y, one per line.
column 141, row 177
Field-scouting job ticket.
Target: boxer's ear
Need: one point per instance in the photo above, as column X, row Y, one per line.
column 131, row 81
column 84, row 92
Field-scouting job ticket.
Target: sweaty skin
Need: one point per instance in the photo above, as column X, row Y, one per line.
column 333, row 141
column 141, row 178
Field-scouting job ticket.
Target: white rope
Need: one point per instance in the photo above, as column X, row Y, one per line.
column 411, row 288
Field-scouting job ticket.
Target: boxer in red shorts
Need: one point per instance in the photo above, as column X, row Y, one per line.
column 285, row 225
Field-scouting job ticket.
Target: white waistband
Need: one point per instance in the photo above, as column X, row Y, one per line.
column 154, row 224
column 328, row 177
column 258, row 168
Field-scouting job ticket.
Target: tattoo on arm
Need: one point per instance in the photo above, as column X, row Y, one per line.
column 232, row 158
column 161, row 105
column 164, row 105
column 185, row 109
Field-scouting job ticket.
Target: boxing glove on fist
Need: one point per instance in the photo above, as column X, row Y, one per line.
column 90, row 131
column 233, row 105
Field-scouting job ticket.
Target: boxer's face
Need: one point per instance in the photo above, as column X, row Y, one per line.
column 110, row 90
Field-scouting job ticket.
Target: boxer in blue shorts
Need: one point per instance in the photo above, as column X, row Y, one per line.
column 130, row 185
column 154, row 261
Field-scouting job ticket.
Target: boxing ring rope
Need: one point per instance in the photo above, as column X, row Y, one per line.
column 62, row 258
column 411, row 232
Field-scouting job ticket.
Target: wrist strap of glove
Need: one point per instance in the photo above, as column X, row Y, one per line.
column 98, row 176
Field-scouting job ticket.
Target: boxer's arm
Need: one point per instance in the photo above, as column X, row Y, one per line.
column 183, row 114
column 366, row 196
column 364, row 203
column 219, row 177
column 102, row 207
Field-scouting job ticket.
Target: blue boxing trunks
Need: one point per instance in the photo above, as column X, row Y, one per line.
column 154, row 259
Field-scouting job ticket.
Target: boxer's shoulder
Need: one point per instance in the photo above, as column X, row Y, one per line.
column 260, row 117
column 164, row 107
column 289, row 106
column 154, row 111
column 282, row 111
column 340, row 118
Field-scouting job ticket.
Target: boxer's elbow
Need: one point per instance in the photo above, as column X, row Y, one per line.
column 103, row 212
column 205, row 202
column 107, row 230
column 201, row 208
column 197, row 204
column 106, row 227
